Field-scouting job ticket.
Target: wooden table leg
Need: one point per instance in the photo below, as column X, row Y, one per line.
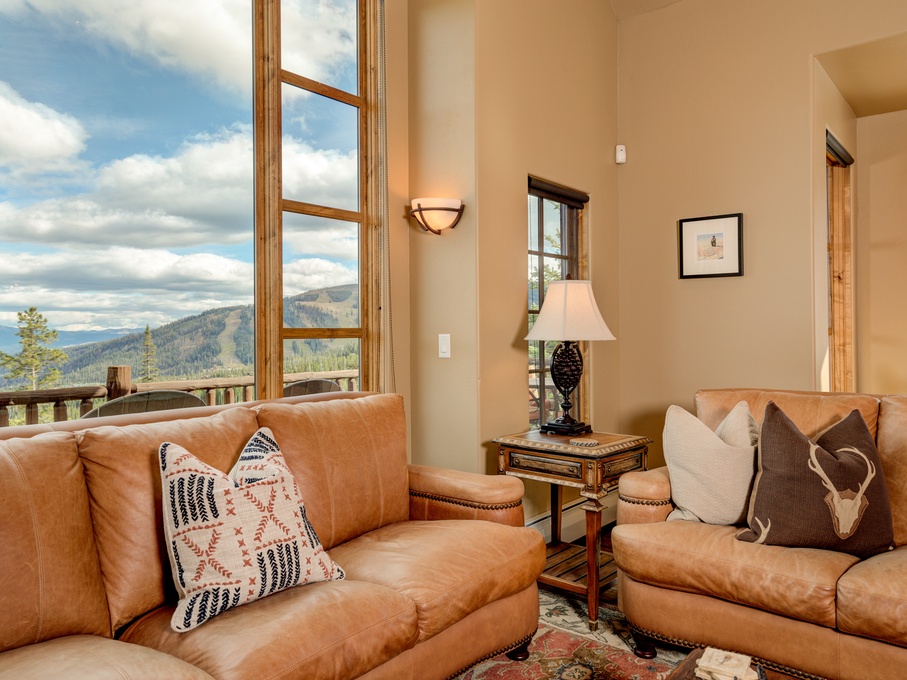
column 593, row 510
column 557, row 505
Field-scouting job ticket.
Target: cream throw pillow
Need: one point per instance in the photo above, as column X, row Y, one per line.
column 711, row 472
column 234, row 538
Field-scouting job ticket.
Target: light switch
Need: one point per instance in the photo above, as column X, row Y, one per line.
column 444, row 346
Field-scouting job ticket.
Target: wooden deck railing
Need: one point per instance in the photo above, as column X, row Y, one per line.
column 31, row 399
column 119, row 383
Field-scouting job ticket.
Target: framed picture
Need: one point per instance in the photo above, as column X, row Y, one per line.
column 710, row 246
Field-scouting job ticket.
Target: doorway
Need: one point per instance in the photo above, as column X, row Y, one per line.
column 840, row 266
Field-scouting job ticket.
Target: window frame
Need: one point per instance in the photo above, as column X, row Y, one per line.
column 270, row 204
column 574, row 253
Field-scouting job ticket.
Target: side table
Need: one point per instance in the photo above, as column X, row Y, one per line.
column 595, row 471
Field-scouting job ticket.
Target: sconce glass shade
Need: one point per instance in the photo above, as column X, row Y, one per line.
column 436, row 214
column 568, row 315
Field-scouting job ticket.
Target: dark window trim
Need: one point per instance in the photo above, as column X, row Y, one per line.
column 557, row 192
column 836, row 150
column 573, row 202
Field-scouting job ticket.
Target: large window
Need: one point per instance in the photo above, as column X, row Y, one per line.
column 314, row 224
column 126, row 181
column 554, row 254
column 185, row 189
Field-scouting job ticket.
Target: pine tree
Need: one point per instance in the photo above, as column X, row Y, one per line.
column 36, row 361
column 149, row 372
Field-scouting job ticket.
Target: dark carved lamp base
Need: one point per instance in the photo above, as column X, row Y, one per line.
column 568, row 429
column 566, row 371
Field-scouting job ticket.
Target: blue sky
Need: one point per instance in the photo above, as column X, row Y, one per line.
column 126, row 157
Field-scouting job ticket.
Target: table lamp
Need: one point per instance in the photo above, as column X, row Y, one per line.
column 568, row 315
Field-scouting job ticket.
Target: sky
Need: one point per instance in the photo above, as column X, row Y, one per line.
column 126, row 157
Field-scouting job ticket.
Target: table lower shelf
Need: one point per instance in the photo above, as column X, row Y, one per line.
column 565, row 567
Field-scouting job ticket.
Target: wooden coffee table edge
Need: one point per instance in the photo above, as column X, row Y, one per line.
column 686, row 668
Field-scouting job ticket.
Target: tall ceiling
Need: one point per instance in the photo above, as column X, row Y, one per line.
column 871, row 77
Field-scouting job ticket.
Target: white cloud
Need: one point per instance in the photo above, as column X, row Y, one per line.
column 211, row 39
column 319, row 40
column 120, row 287
column 36, row 138
column 202, row 195
column 321, row 238
column 128, row 270
column 311, row 273
column 323, row 176
column 128, row 288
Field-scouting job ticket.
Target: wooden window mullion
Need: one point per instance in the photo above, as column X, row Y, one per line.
column 268, row 193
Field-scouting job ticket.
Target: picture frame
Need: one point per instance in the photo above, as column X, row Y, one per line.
column 710, row 246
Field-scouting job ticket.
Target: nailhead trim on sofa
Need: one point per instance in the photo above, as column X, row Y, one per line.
column 637, row 501
column 468, row 504
column 491, row 655
column 787, row 670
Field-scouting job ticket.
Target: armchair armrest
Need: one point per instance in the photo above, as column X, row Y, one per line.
column 439, row 493
column 644, row 497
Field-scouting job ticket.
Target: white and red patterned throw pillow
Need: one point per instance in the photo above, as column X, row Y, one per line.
column 236, row 538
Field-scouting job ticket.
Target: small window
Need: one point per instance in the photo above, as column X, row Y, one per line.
column 555, row 214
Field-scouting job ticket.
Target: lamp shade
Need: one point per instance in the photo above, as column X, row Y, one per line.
column 570, row 313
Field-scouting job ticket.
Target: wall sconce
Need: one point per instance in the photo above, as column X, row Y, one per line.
column 435, row 214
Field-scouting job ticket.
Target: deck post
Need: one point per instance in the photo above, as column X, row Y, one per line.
column 60, row 414
column 119, row 381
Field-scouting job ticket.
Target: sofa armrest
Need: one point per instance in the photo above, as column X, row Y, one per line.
column 644, row 497
column 439, row 493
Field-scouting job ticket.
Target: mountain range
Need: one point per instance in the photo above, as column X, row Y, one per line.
column 9, row 341
column 215, row 343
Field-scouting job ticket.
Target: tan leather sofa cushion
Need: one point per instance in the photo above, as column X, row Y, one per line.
column 449, row 568
column 811, row 412
column 51, row 580
column 481, row 635
column 708, row 560
column 872, row 598
column 124, row 486
column 892, row 445
column 349, row 459
column 86, row 657
column 332, row 629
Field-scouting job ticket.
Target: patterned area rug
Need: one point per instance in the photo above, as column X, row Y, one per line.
column 565, row 649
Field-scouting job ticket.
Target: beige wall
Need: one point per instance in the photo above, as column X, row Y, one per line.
column 396, row 324
column 443, row 272
column 716, row 110
column 881, row 244
column 723, row 108
column 500, row 90
column 546, row 105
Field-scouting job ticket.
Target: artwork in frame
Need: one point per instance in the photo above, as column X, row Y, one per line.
column 710, row 246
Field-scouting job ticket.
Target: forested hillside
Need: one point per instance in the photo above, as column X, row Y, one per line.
column 218, row 342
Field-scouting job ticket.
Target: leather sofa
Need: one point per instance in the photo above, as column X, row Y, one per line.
column 440, row 572
column 823, row 613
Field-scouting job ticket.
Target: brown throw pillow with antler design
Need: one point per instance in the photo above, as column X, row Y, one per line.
column 829, row 493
